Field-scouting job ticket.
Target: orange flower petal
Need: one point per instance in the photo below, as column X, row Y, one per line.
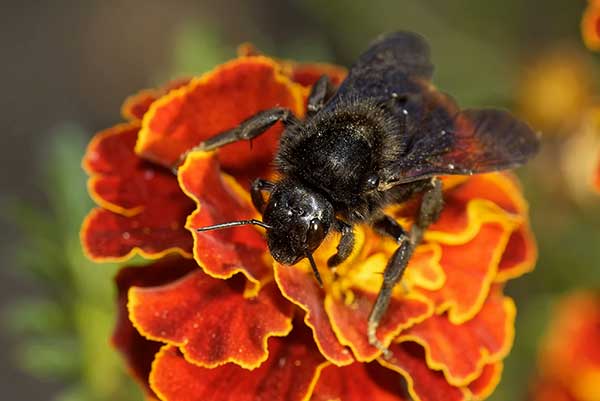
column 481, row 198
column 462, row 351
column 222, row 253
column 308, row 73
column 570, row 353
column 482, row 387
column 590, row 26
column 153, row 233
column 122, row 182
column 470, row 270
column 135, row 106
column 218, row 101
column 519, row 256
column 137, row 351
column 300, row 288
column 211, row 320
column 289, row 374
column 359, row 382
column 349, row 320
column 423, row 383
column 305, row 74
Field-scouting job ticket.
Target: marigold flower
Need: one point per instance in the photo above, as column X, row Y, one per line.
column 590, row 25
column 214, row 318
column 569, row 360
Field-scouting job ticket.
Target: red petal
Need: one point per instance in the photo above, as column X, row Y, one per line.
column 218, row 101
column 423, row 384
column 308, row 73
column 305, row 74
column 359, row 382
column 300, row 287
column 153, row 233
column 211, row 320
column 519, row 256
column 484, row 385
column 122, row 182
column 481, row 198
column 590, row 26
column 470, row 270
column 289, row 374
column 137, row 105
column 138, row 351
column 219, row 199
column 349, row 321
column 461, row 351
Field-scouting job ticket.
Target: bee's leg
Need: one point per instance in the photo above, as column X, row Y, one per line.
column 258, row 186
column 431, row 207
column 247, row 130
column 429, row 211
column 390, row 227
column 346, row 245
column 319, row 94
column 391, row 275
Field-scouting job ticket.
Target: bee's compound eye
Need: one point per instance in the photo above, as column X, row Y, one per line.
column 315, row 234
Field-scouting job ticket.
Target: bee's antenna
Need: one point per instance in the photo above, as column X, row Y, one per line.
column 234, row 224
column 314, row 268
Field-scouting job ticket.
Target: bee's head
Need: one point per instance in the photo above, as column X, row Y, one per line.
column 298, row 220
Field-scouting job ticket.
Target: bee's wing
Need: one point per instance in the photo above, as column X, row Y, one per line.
column 476, row 141
column 439, row 138
column 392, row 64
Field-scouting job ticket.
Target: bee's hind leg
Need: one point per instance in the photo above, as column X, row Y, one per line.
column 429, row 211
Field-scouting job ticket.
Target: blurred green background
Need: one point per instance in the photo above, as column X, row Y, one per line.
column 67, row 66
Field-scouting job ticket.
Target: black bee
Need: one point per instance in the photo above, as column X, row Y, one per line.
column 382, row 137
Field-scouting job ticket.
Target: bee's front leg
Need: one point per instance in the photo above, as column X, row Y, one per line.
column 247, row 130
column 319, row 94
column 345, row 246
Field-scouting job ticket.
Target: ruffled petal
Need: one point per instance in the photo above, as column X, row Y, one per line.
column 211, row 320
column 135, row 106
column 289, row 374
column 519, row 256
column 122, row 182
column 482, row 387
column 470, row 270
column 299, row 287
column 138, row 351
column 218, row 101
column 305, row 74
column 349, row 322
column 359, row 382
column 470, row 203
column 219, row 199
column 462, row 351
column 423, row 383
column 152, row 234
